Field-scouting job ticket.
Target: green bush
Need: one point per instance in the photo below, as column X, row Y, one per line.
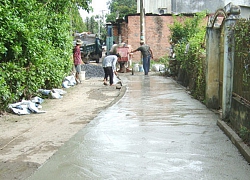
column 188, row 36
column 35, row 46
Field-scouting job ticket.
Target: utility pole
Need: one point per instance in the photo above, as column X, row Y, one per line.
column 142, row 21
column 103, row 19
column 99, row 26
column 100, row 22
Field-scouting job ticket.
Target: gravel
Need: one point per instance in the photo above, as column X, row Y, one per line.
column 92, row 70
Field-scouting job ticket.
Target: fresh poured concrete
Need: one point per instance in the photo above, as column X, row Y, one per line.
column 156, row 131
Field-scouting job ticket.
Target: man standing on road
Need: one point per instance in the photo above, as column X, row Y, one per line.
column 77, row 60
column 146, row 55
column 109, row 66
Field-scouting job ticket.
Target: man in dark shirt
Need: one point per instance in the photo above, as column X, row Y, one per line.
column 146, row 55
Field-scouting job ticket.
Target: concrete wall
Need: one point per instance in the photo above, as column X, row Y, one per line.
column 154, row 6
column 239, row 114
column 192, row 6
column 238, row 2
column 245, row 12
column 187, row 6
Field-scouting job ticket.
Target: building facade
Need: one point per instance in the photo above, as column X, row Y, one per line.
column 157, row 32
column 186, row 6
column 156, row 29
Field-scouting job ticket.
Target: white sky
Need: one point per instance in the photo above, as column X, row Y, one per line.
column 98, row 6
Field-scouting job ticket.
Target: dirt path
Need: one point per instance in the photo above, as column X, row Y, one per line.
column 28, row 141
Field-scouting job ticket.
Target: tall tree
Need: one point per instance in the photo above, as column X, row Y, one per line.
column 120, row 8
column 91, row 24
column 77, row 22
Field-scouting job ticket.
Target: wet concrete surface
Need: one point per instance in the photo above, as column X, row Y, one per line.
column 156, row 131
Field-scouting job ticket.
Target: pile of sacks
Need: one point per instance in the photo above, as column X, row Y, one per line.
column 27, row 106
column 158, row 67
column 34, row 105
column 52, row 94
column 69, row 81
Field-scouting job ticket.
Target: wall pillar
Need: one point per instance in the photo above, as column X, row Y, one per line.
column 212, row 65
column 229, row 49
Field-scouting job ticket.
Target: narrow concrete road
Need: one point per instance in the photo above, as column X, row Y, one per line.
column 156, row 131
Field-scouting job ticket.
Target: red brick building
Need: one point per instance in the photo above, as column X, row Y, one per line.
column 156, row 33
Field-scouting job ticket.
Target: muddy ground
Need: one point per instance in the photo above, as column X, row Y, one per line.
column 27, row 141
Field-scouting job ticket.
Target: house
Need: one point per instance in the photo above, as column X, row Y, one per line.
column 186, row 6
column 158, row 17
column 156, row 30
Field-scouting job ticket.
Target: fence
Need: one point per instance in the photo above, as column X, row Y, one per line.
column 241, row 86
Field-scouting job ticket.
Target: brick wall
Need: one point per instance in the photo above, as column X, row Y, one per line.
column 156, row 34
column 115, row 34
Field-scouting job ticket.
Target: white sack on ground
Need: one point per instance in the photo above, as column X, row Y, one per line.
column 26, row 107
column 69, row 81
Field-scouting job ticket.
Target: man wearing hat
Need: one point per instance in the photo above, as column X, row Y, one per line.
column 146, row 55
column 77, row 60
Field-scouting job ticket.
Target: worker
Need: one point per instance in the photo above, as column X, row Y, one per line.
column 146, row 55
column 109, row 67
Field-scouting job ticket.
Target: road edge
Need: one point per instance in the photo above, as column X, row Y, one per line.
column 235, row 139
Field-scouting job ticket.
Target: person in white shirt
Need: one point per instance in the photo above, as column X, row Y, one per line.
column 109, row 67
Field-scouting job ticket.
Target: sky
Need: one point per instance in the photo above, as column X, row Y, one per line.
column 98, row 6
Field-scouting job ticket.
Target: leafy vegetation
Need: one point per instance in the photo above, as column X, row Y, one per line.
column 120, row 8
column 95, row 25
column 244, row 133
column 78, row 25
column 35, row 46
column 241, row 34
column 187, row 37
column 242, row 52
